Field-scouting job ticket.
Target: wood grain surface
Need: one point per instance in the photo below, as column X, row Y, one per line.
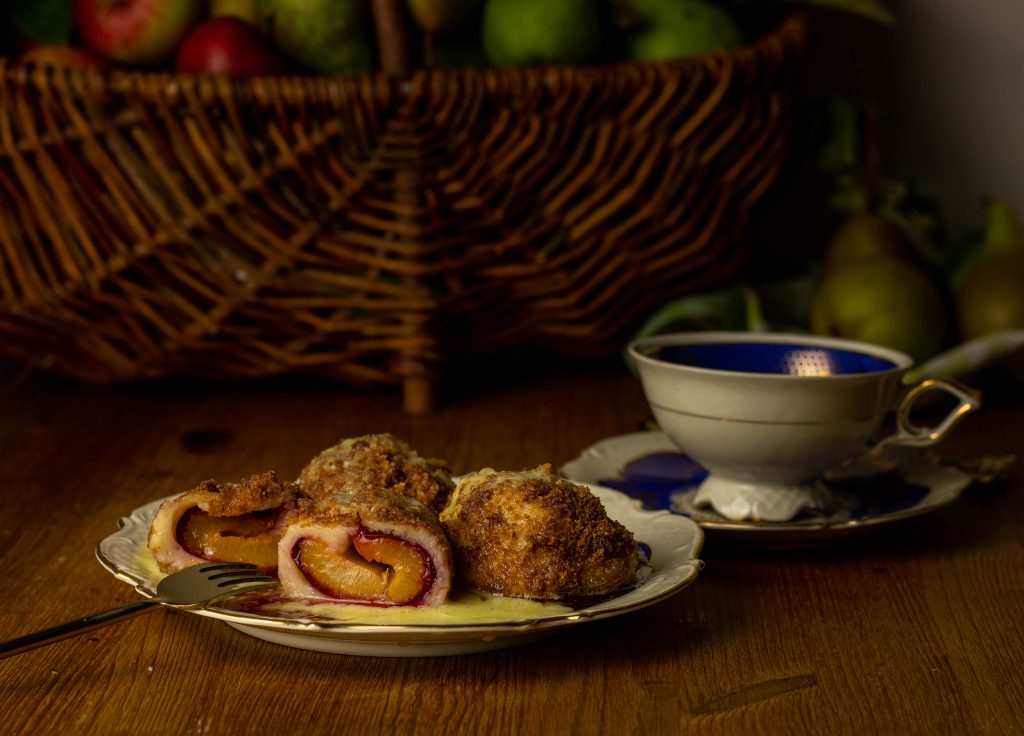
column 914, row 629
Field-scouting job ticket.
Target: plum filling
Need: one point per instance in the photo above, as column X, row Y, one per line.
column 376, row 568
column 251, row 537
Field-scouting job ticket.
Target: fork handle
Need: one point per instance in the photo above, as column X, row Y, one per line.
column 71, row 628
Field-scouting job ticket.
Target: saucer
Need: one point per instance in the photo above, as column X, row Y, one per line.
column 649, row 467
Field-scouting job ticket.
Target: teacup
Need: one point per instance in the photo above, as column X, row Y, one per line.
column 767, row 413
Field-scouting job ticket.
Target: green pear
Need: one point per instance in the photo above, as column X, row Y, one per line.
column 885, row 301
column 990, row 291
column 522, row 32
column 991, row 297
column 329, row 36
column 675, row 29
column 438, row 16
column 863, row 237
column 1002, row 232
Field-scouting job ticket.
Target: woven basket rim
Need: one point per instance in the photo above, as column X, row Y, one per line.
column 791, row 31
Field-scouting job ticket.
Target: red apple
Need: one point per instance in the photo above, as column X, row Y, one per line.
column 63, row 56
column 226, row 45
column 135, row 32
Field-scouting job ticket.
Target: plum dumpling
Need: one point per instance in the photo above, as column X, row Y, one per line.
column 382, row 461
column 535, row 535
column 365, row 544
column 227, row 522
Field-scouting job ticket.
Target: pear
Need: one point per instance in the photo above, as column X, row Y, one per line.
column 991, row 298
column 865, row 236
column 438, row 16
column 990, row 293
column 1002, row 232
column 885, row 301
column 329, row 36
column 875, row 287
column 675, row 29
column 522, row 32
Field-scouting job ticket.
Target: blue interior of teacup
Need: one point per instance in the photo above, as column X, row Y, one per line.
column 786, row 359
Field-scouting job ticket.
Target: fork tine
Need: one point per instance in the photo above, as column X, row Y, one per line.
column 260, row 579
column 235, row 573
column 228, row 567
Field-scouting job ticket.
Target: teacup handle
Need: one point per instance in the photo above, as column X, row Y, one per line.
column 909, row 434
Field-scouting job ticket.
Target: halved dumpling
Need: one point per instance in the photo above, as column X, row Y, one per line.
column 230, row 522
column 366, row 545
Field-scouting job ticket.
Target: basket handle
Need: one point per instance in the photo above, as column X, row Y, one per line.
column 392, row 36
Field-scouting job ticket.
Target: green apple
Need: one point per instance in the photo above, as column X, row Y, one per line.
column 523, row 32
column 884, row 301
column 329, row 36
column 675, row 29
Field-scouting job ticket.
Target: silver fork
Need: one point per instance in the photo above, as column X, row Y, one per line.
column 193, row 587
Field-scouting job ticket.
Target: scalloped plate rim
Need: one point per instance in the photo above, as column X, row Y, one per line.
column 663, row 583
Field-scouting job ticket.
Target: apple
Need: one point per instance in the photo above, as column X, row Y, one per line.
column 226, row 45
column 675, row 29
column 135, row 32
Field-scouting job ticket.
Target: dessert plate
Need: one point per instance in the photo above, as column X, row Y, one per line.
column 650, row 468
column 474, row 624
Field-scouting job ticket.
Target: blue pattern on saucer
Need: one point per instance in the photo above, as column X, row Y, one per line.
column 788, row 359
column 655, row 479
column 658, row 479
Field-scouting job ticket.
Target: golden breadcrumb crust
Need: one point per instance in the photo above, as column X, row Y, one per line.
column 382, row 461
column 356, row 502
column 256, row 493
column 535, row 535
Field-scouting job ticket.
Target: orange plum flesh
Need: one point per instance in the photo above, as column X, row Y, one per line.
column 246, row 538
column 377, row 568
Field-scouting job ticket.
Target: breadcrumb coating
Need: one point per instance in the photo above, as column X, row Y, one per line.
column 382, row 461
column 255, row 493
column 535, row 535
column 355, row 502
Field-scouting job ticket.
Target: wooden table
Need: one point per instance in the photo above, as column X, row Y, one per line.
column 918, row 629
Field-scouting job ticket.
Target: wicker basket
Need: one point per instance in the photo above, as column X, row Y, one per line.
column 369, row 228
